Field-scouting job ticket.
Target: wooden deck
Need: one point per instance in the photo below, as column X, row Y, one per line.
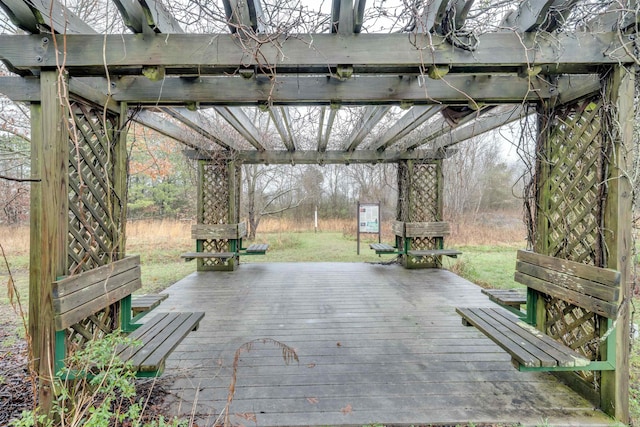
column 376, row 343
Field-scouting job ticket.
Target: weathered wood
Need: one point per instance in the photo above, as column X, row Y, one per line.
column 434, row 252
column 144, row 303
column 407, row 123
column 304, row 157
column 188, row 256
column 398, row 228
column 427, row 229
column 605, row 276
column 219, row 231
column 77, row 297
column 193, row 120
column 618, row 239
column 282, row 122
column 509, row 297
column 241, row 122
column 374, row 53
column 525, row 344
column 49, row 223
column 383, row 248
column 257, row 248
column 301, row 90
column 21, row 15
column 371, row 117
column 158, row 337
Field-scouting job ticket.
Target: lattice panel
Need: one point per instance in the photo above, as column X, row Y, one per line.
column 93, row 327
column 424, row 193
column 572, row 208
column 575, row 327
column 93, row 229
column 576, row 184
column 215, row 245
column 215, row 194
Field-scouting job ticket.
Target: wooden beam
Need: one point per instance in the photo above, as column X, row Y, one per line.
column 240, row 122
column 499, row 116
column 21, row 15
column 407, row 123
column 346, row 22
column 291, row 90
column 358, row 15
column 456, row 14
column 529, row 16
column 49, row 14
column 196, row 54
column 432, row 15
column 282, row 122
column 244, row 14
column 618, row 17
column 371, row 117
column 312, row 90
column 147, row 16
column 305, row 157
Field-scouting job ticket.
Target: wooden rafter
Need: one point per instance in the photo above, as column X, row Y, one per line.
column 500, row 116
column 282, row 122
column 194, row 121
column 51, row 15
column 242, row 123
column 432, row 15
column 144, row 16
column 407, row 123
column 244, row 14
column 371, row 117
column 324, row 131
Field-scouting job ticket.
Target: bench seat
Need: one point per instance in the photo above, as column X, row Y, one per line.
column 158, row 337
column 527, row 346
column 383, row 248
column 188, row 256
column 435, row 252
column 257, row 248
column 511, row 299
column 144, row 303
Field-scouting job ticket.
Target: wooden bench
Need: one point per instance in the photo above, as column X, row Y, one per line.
column 511, row 299
column 591, row 288
column 407, row 232
column 257, row 249
column 80, row 297
column 189, row 256
column 143, row 304
column 384, row 248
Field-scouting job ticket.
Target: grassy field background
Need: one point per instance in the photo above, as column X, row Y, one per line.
column 489, row 251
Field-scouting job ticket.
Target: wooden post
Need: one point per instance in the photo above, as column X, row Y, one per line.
column 120, row 174
column 49, row 222
column 614, row 395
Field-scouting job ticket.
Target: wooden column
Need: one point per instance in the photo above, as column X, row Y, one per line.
column 49, row 221
column 219, row 188
column 120, row 175
column 614, row 398
column 420, row 199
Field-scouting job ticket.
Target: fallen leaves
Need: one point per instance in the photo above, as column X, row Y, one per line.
column 346, row 410
column 312, row 400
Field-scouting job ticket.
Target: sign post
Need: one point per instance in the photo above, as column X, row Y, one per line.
column 368, row 220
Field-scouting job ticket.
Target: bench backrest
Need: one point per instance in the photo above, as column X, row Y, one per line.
column 421, row 229
column 218, row 231
column 78, row 297
column 592, row 288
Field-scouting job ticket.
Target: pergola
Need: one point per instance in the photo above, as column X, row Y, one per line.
column 85, row 87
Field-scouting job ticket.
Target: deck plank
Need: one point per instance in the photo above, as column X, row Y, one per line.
column 381, row 340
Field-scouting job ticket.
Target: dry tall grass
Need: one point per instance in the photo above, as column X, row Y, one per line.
column 488, row 229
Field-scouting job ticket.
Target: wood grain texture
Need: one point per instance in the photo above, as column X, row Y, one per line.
column 381, row 342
